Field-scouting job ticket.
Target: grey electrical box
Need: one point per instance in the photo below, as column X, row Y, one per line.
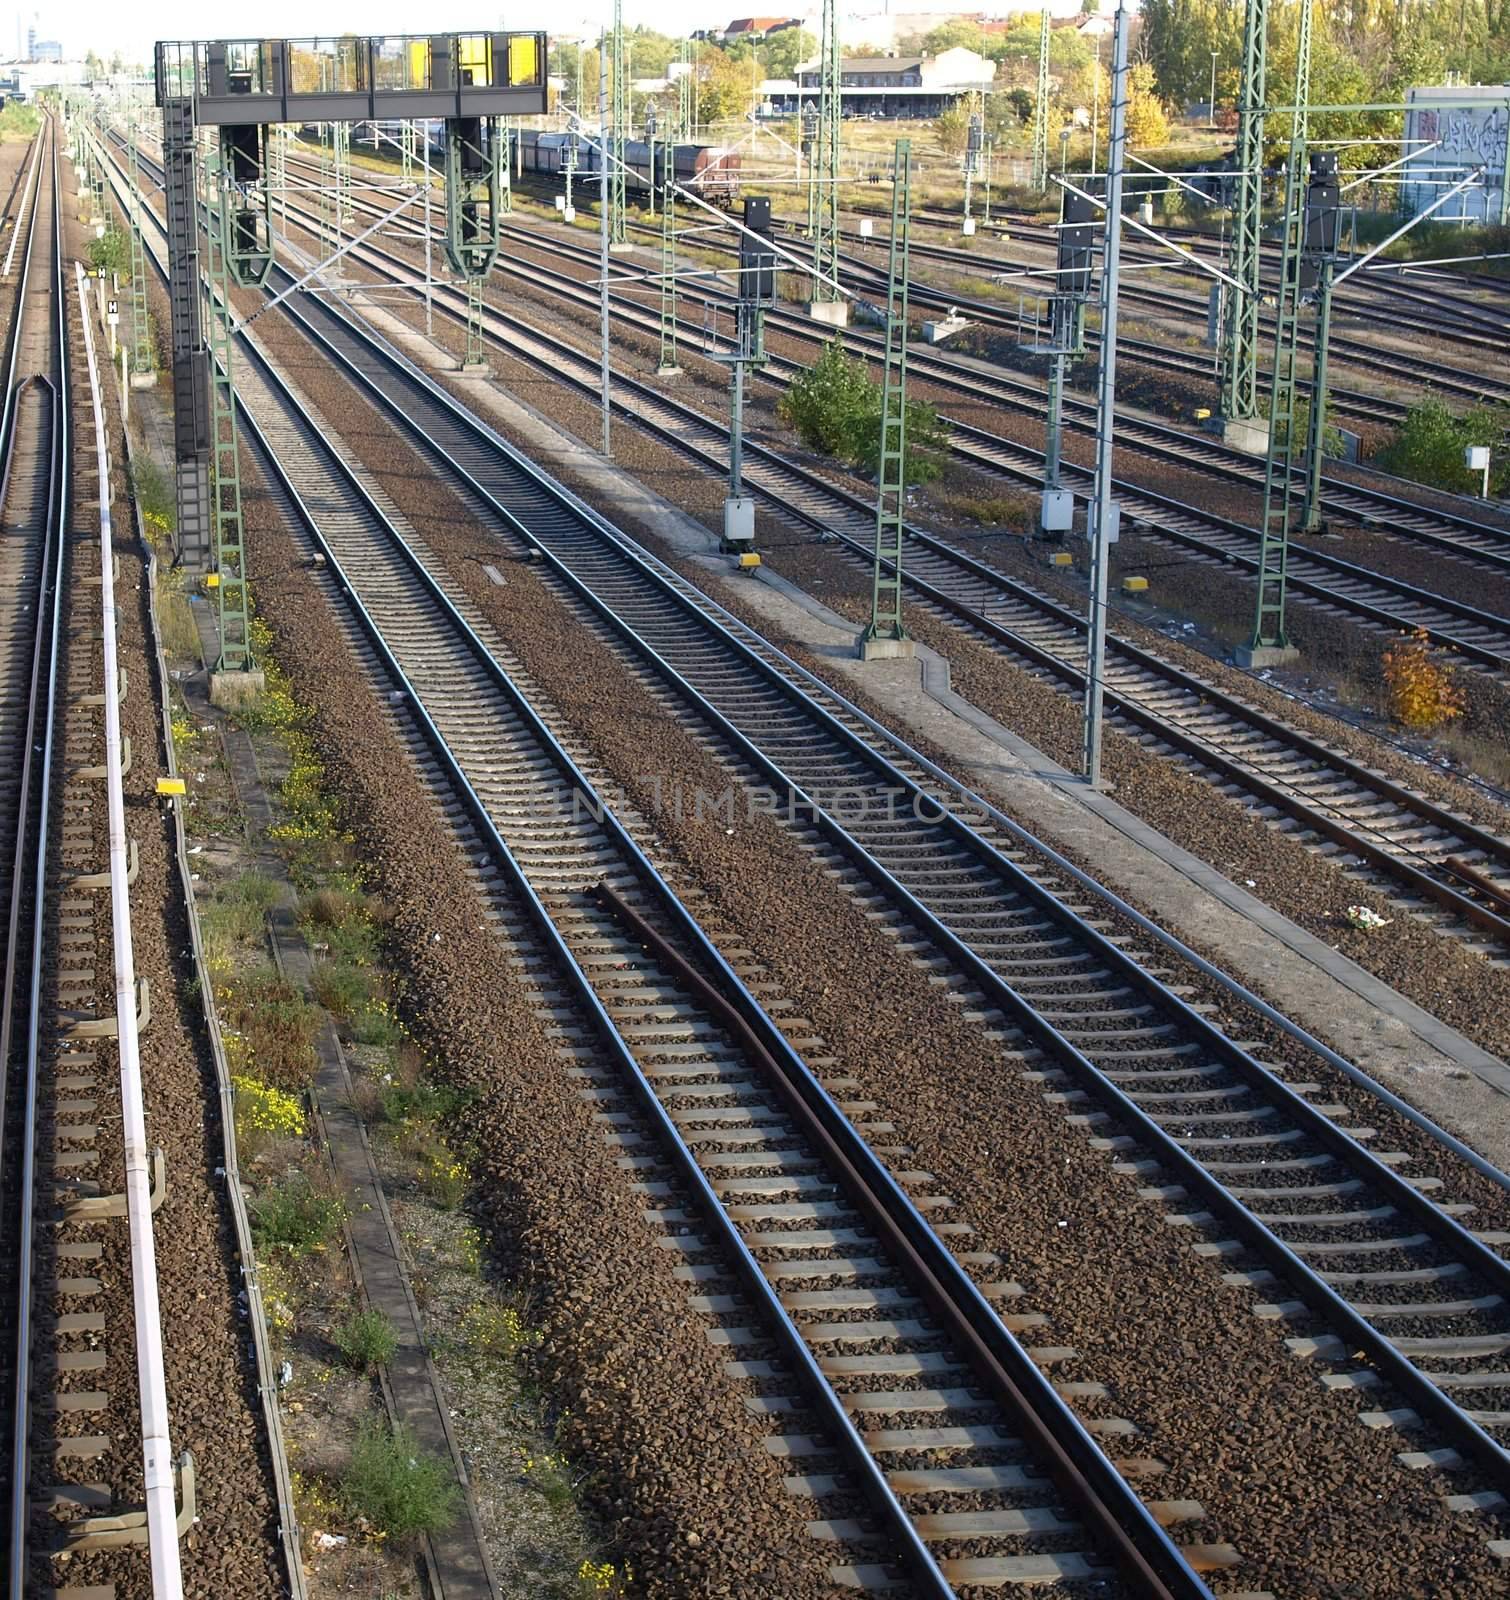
column 739, row 519
column 1057, row 513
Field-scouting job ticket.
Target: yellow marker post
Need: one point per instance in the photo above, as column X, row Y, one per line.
column 1061, row 558
column 1134, row 585
column 212, row 580
column 750, row 560
column 1202, row 413
column 170, row 786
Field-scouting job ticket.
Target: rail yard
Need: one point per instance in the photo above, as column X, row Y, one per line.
column 751, row 852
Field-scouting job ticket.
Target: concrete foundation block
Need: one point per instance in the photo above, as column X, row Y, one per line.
column 1250, row 434
column 143, row 380
column 833, row 312
column 886, row 649
column 232, row 691
column 476, row 369
column 1265, row 655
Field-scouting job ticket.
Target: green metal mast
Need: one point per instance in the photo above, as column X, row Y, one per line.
column 1041, row 106
column 891, row 470
column 1270, row 637
column 669, row 363
column 225, row 456
column 143, row 356
column 1240, row 334
column 616, row 196
column 345, row 217
column 506, row 168
column 825, row 166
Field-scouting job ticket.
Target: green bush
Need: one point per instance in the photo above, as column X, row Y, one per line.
column 1429, row 447
column 826, row 404
column 111, row 252
column 396, row 1486
column 154, row 493
column 835, row 407
column 366, row 1339
column 422, row 1101
column 296, row 1215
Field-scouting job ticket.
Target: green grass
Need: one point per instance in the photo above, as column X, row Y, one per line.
column 297, row 1215
column 397, row 1486
column 366, row 1339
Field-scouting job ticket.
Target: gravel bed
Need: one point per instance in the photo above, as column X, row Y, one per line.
column 1438, row 973
column 1396, row 557
column 1283, row 1468
column 676, row 1469
column 1185, row 584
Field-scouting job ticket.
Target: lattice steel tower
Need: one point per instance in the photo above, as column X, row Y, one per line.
column 825, row 165
column 1240, row 334
column 1041, row 106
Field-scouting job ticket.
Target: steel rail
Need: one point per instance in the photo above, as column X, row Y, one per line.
column 157, row 1452
column 1075, row 1459
column 986, row 451
column 1363, row 1080
column 706, row 614
column 1161, row 442
column 1148, row 435
column 1417, row 879
column 58, row 507
column 1145, row 925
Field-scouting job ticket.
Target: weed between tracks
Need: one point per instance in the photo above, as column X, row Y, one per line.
column 364, row 1492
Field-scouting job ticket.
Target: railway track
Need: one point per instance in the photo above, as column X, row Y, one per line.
column 1485, row 338
column 814, row 1265
column 1433, row 309
column 1432, row 863
column 1374, row 1264
column 1477, row 542
column 1379, row 1270
column 1479, row 635
column 33, row 512
column 1470, row 539
column 82, row 1356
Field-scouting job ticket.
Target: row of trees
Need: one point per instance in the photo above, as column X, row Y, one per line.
column 726, row 77
column 1361, row 50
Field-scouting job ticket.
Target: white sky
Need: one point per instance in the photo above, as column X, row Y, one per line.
column 109, row 25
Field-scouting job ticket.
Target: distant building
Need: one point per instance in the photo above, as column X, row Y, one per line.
column 899, row 86
column 1444, row 143
column 759, row 27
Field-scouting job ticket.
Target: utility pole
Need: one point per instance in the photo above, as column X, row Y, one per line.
column 1241, row 424
column 1103, row 515
column 1311, row 519
column 757, row 288
column 884, row 635
column 974, row 140
column 1041, row 106
column 827, row 305
column 604, row 371
column 229, row 574
column 143, row 356
column 616, row 194
column 1072, row 283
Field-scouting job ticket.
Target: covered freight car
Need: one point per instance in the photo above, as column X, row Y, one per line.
column 711, row 171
